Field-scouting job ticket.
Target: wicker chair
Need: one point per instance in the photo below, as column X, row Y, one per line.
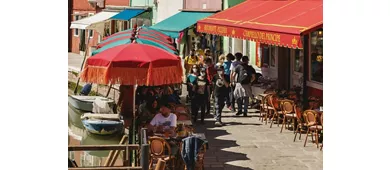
column 275, row 108
column 301, row 125
column 322, row 123
column 160, row 149
column 287, row 107
column 264, row 109
column 181, row 109
column 263, row 104
column 183, row 116
column 310, row 117
column 314, row 102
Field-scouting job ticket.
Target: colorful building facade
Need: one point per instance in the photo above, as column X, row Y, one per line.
column 84, row 8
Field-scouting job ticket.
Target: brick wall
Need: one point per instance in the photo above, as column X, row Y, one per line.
column 117, row 2
column 76, row 39
column 82, row 5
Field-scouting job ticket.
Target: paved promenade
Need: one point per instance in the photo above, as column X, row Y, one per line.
column 246, row 143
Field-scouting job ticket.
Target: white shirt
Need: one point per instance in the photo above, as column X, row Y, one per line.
column 169, row 121
column 233, row 68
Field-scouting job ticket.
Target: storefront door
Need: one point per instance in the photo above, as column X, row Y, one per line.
column 283, row 68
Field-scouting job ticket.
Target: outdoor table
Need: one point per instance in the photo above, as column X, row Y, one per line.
column 185, row 122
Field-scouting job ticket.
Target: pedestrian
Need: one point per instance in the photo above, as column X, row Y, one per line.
column 190, row 60
column 234, row 64
column 245, row 76
column 221, row 86
column 226, row 65
column 221, row 59
column 201, row 93
column 207, row 54
column 210, row 72
column 194, row 73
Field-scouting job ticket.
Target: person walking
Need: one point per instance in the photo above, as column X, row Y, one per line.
column 201, row 93
column 245, row 76
column 194, row 73
column 221, row 86
column 190, row 60
column 226, row 65
column 210, row 72
column 234, row 64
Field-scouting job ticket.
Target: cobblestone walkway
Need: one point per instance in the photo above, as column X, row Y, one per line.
column 245, row 143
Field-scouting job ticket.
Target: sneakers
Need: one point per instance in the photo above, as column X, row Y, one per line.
column 218, row 123
column 240, row 113
column 231, row 109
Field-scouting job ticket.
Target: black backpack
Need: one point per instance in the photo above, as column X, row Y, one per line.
column 244, row 75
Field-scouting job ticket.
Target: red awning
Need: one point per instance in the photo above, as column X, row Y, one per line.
column 274, row 22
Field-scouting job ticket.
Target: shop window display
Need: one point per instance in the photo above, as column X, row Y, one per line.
column 266, row 56
column 273, row 56
column 316, row 57
column 298, row 61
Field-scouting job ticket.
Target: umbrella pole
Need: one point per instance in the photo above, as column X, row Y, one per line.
column 109, row 89
column 82, row 64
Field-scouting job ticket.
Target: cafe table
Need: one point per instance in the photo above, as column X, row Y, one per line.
column 185, row 122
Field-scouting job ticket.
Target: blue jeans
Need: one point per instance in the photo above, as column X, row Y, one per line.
column 199, row 101
column 227, row 98
column 246, row 103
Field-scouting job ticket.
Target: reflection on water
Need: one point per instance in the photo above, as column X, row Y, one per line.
column 77, row 135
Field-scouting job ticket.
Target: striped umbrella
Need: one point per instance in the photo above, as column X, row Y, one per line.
column 144, row 36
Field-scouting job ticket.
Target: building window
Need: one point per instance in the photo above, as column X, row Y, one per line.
column 76, row 31
column 125, row 25
column 230, row 44
column 265, row 56
column 316, row 56
column 118, row 26
column 273, row 56
column 268, row 56
column 298, row 61
column 248, row 47
column 90, row 32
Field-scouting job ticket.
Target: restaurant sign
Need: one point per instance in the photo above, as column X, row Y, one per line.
column 273, row 38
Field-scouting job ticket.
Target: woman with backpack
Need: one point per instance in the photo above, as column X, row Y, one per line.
column 245, row 76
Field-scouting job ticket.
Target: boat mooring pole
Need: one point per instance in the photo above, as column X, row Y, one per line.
column 108, row 92
column 145, row 156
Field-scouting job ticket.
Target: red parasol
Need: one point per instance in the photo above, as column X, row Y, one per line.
column 132, row 64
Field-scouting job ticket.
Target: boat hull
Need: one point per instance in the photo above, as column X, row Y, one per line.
column 85, row 103
column 102, row 127
column 85, row 106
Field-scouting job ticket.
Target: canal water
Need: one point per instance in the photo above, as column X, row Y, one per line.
column 77, row 135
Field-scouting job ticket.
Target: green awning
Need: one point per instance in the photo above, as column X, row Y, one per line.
column 180, row 21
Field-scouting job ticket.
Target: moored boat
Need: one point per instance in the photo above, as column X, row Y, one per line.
column 85, row 103
column 102, row 124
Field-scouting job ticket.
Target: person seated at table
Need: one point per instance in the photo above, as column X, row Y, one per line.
column 163, row 121
column 148, row 109
column 169, row 96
